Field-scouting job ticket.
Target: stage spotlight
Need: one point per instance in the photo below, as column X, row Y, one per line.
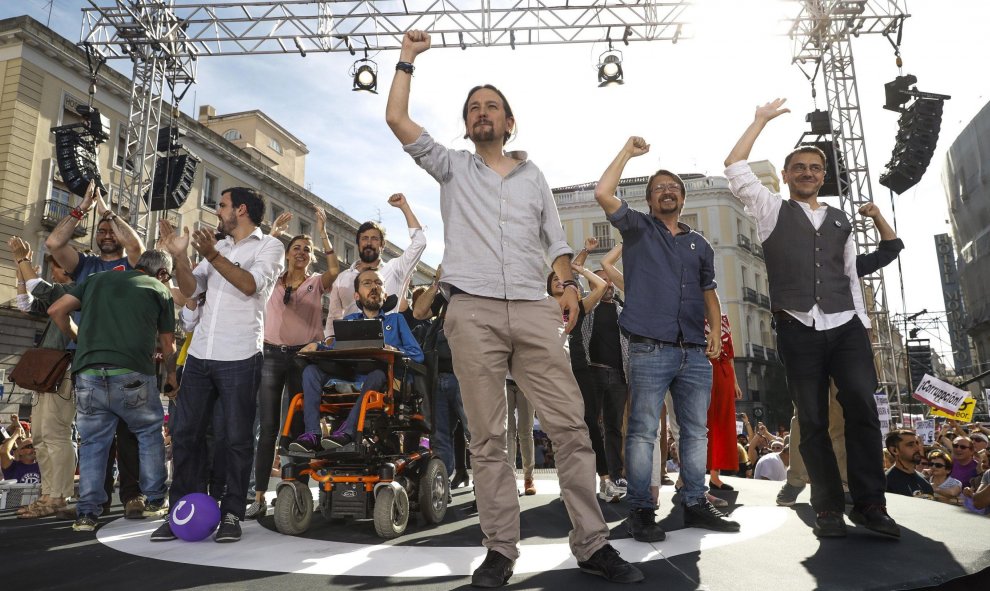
column 365, row 74
column 610, row 69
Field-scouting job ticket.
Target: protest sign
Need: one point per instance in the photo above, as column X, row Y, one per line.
column 883, row 410
column 963, row 415
column 926, row 431
column 941, row 395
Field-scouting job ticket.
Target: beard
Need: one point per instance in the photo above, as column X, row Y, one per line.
column 482, row 132
column 371, row 303
column 108, row 247
column 368, row 255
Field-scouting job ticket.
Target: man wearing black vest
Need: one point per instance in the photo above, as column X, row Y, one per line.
column 821, row 325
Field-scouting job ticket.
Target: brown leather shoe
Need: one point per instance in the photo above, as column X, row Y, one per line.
column 529, row 488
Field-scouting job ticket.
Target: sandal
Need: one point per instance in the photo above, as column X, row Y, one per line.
column 42, row 510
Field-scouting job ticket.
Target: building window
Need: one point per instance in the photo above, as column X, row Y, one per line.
column 691, row 220
column 210, row 187
column 60, row 203
column 121, row 149
column 744, row 272
column 305, row 228
column 276, row 211
column 231, row 135
column 348, row 254
column 603, row 232
column 274, row 145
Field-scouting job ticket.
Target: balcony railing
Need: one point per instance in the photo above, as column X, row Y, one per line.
column 765, row 301
column 604, row 245
column 760, row 352
column 55, row 211
column 750, row 295
column 758, row 250
column 744, row 242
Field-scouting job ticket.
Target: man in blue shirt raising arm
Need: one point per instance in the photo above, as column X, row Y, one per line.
column 669, row 274
column 500, row 223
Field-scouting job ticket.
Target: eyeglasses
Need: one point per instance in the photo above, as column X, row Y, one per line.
column 674, row 187
column 372, row 283
column 168, row 276
column 802, row 168
column 957, row 446
column 943, row 466
column 288, row 295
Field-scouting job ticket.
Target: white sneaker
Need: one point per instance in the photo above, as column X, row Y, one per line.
column 608, row 492
column 622, row 485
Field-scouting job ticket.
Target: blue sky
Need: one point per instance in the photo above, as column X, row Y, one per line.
column 690, row 100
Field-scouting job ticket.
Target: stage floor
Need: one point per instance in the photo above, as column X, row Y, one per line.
column 775, row 549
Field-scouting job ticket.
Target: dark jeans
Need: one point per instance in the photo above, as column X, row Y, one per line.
column 843, row 353
column 592, row 410
column 234, row 385
column 610, row 396
column 278, row 372
column 449, row 410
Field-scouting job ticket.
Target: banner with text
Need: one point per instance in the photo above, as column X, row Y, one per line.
column 941, row 395
column 926, row 431
column 883, row 410
column 963, row 415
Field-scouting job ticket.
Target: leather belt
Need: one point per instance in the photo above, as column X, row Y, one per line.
column 283, row 348
column 635, row 338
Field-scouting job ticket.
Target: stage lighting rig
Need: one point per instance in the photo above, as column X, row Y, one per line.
column 365, row 73
column 610, row 68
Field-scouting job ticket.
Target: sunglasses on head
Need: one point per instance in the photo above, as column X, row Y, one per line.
column 288, row 295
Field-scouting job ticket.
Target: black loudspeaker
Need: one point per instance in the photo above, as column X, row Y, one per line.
column 830, row 186
column 917, row 135
column 174, row 176
column 75, row 154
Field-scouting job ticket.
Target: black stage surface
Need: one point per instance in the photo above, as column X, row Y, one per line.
column 941, row 547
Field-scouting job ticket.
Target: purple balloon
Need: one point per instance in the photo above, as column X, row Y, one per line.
column 194, row 517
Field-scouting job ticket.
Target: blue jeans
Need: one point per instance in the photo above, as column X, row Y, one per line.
column 448, row 409
column 313, row 380
column 233, row 386
column 100, row 402
column 686, row 372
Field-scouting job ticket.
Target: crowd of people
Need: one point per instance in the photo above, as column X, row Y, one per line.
column 624, row 388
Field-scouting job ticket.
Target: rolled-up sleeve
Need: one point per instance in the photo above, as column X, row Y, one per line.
column 430, row 156
column 267, row 265
column 758, row 201
column 623, row 219
column 708, row 269
column 407, row 261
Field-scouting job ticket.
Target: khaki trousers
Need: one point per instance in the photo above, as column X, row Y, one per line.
column 797, row 474
column 521, row 419
column 489, row 337
column 51, row 429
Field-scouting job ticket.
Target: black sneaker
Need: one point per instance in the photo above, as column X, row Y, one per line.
column 307, row 442
column 495, row 571
column 829, row 524
column 229, row 530
column 642, row 525
column 706, row 516
column 163, row 533
column 85, row 522
column 875, row 518
column 606, row 563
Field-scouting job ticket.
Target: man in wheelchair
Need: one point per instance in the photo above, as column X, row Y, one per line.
column 370, row 296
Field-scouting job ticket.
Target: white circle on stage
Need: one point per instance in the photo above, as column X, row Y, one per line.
column 262, row 549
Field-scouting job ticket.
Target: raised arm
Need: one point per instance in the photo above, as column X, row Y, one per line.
column 608, row 263
column 333, row 263
column 605, row 190
column 590, row 244
column 399, row 201
column 423, row 308
column 763, row 115
column 57, row 242
column 397, row 109
column 60, row 313
column 597, row 284
column 887, row 250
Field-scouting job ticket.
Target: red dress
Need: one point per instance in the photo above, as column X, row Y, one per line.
column 722, row 450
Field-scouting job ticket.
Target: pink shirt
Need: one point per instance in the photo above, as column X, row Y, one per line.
column 299, row 322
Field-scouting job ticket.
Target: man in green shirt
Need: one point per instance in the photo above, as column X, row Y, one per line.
column 115, row 373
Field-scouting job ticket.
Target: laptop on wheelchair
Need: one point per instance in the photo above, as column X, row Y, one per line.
column 358, row 334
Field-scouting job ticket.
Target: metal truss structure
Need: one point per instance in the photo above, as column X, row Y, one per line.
column 165, row 38
column 822, row 32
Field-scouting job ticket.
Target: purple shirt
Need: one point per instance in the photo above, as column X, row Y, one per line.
column 23, row 473
column 965, row 472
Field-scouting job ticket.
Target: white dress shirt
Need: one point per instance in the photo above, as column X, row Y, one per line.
column 395, row 275
column 231, row 326
column 764, row 205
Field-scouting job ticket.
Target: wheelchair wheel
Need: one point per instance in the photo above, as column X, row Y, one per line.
column 292, row 514
column 391, row 512
column 433, row 491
